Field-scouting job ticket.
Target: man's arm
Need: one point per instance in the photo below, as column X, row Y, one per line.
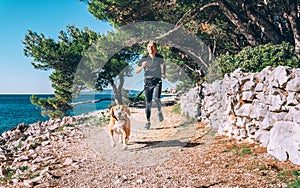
column 164, row 67
column 139, row 69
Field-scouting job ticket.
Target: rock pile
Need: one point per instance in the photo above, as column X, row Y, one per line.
column 190, row 103
column 29, row 153
column 259, row 107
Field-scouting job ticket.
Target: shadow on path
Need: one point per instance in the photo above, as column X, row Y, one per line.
column 167, row 143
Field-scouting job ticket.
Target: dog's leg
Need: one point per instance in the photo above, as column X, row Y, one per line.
column 127, row 134
column 124, row 139
column 127, row 130
column 121, row 139
column 111, row 135
column 111, row 124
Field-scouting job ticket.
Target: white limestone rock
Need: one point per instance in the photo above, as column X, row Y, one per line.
column 296, row 72
column 249, row 107
column 267, row 122
column 244, row 110
column 259, row 87
column 241, row 122
column 238, row 73
column 191, row 103
column 292, row 99
column 250, row 85
column 296, row 117
column 251, row 128
column 284, row 141
column 281, row 74
column 276, row 103
column 263, row 75
column 248, row 96
column 293, row 85
column 259, row 110
column 263, row 137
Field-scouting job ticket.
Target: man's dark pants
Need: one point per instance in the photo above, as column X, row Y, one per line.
column 152, row 86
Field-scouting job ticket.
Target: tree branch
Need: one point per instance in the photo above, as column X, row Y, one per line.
column 91, row 101
column 265, row 25
column 294, row 20
column 234, row 18
column 180, row 25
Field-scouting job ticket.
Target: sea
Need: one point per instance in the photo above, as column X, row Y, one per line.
column 17, row 108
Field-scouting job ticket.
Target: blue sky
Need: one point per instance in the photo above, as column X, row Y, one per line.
column 42, row 16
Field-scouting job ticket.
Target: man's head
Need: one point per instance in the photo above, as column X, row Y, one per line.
column 152, row 48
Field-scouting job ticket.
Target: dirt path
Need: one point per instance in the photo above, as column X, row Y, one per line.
column 173, row 153
column 146, row 147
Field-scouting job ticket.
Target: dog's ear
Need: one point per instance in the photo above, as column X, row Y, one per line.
column 112, row 112
column 117, row 102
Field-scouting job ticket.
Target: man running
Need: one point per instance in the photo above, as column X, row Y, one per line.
column 155, row 69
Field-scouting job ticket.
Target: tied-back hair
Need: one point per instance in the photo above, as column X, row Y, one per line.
column 152, row 42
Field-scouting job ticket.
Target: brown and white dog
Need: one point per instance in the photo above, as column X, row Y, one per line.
column 119, row 123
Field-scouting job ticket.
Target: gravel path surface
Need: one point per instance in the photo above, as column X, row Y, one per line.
column 174, row 153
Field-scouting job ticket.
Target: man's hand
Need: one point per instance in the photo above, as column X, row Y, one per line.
column 164, row 76
column 144, row 64
column 139, row 69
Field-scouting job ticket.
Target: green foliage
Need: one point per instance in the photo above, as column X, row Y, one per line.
column 245, row 151
column 53, row 107
column 108, row 62
column 240, row 150
column 104, row 119
column 284, row 175
column 254, row 59
column 8, row 174
column 142, row 97
column 120, row 13
column 34, row 145
column 295, row 183
column 290, row 177
column 226, row 26
column 181, row 69
column 296, row 173
column 176, row 109
column 61, row 128
column 62, row 58
column 23, row 168
column 33, row 176
column 20, row 145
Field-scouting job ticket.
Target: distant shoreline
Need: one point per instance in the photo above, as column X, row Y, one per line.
column 26, row 93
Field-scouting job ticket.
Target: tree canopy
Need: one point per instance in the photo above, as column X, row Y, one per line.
column 190, row 34
column 62, row 58
column 225, row 25
column 79, row 60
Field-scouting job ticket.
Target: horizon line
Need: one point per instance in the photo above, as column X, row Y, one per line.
column 26, row 93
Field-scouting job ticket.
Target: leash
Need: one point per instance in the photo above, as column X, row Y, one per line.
column 138, row 96
column 145, row 86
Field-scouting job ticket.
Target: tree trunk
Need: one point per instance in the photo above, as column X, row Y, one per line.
column 293, row 17
column 234, row 18
column 118, row 89
column 266, row 27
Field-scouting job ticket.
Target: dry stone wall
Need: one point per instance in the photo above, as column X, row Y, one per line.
column 259, row 107
column 191, row 103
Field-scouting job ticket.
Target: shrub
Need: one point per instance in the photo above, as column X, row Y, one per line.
column 176, row 109
column 254, row 59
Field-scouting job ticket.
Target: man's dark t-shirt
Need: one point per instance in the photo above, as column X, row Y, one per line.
column 153, row 68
